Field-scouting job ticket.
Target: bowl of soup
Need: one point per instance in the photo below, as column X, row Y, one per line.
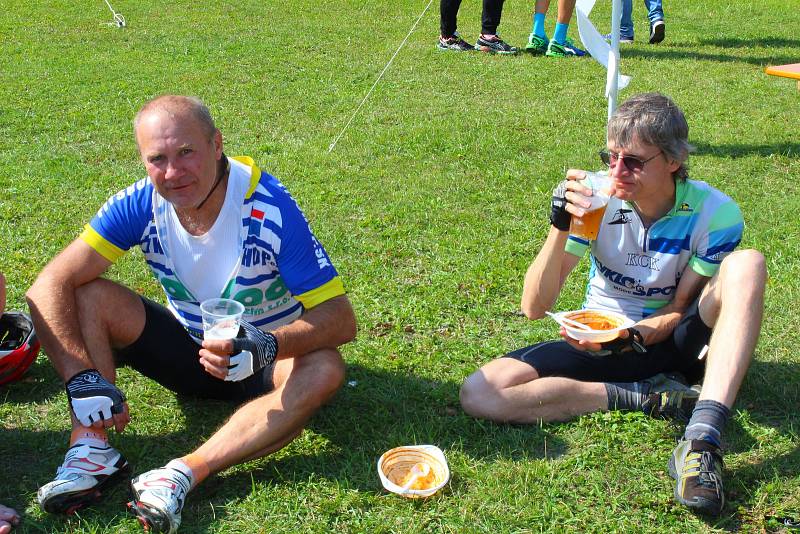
column 602, row 325
column 414, row 471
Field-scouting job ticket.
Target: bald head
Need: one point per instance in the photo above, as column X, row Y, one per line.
column 177, row 107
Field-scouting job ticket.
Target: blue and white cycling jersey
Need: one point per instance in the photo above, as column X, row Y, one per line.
column 282, row 268
column 635, row 270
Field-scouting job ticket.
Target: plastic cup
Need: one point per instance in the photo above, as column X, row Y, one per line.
column 221, row 318
column 588, row 226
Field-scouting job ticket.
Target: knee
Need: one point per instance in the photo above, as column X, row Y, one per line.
column 476, row 395
column 743, row 269
column 329, row 372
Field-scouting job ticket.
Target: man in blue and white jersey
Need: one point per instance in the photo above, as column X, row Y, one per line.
column 208, row 226
column 664, row 257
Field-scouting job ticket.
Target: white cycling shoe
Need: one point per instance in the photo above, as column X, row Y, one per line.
column 158, row 497
column 85, row 471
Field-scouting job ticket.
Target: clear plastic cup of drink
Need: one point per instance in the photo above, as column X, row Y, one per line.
column 221, row 318
column 588, row 226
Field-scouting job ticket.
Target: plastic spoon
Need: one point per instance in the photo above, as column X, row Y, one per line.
column 564, row 321
column 417, row 471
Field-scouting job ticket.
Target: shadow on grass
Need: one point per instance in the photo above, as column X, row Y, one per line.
column 735, row 42
column 741, row 150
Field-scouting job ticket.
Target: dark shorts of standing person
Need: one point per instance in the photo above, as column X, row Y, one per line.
column 166, row 353
column 677, row 353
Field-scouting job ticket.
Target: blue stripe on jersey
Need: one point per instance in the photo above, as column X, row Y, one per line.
column 189, row 316
column 257, row 280
column 668, row 246
column 253, row 240
column 273, row 318
column 262, row 197
column 160, row 267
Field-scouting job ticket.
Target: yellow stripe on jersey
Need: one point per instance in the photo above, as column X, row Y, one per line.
column 326, row 291
column 104, row 247
column 255, row 173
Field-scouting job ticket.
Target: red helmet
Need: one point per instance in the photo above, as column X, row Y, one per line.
column 18, row 346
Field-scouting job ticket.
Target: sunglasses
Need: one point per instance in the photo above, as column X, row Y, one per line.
column 632, row 164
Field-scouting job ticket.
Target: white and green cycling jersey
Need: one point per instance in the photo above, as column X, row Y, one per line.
column 636, row 269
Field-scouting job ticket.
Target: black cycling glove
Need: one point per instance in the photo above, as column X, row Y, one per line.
column 559, row 216
column 254, row 350
column 93, row 398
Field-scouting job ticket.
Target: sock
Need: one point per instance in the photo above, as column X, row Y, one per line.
column 626, row 395
column 538, row 25
column 708, row 420
column 560, row 35
column 88, row 436
column 194, row 466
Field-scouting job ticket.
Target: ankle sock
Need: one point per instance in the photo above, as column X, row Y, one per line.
column 707, row 421
column 538, row 25
column 193, row 466
column 560, row 35
column 626, row 395
column 88, row 436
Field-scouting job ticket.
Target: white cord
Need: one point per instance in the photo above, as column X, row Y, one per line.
column 336, row 140
column 119, row 20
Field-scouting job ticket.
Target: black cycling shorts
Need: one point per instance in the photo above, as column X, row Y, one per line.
column 677, row 353
column 167, row 353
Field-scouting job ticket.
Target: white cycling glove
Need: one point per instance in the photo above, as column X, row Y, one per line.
column 93, row 398
column 256, row 350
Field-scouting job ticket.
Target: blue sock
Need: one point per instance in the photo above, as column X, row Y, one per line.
column 560, row 34
column 708, row 420
column 538, row 25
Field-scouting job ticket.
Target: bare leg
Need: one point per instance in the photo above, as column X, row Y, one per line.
column 565, row 10
column 508, row 390
column 541, row 6
column 266, row 424
column 733, row 302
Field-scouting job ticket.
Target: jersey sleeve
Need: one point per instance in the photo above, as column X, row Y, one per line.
column 722, row 237
column 303, row 263
column 576, row 246
column 119, row 224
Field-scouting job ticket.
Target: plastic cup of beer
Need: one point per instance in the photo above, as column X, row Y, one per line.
column 588, row 226
column 221, row 318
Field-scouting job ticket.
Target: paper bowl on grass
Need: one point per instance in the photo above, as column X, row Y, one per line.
column 603, row 325
column 395, row 465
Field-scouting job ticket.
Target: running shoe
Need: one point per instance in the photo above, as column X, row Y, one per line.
column 670, row 397
column 536, row 45
column 565, row 49
column 622, row 39
column 657, row 32
column 696, row 466
column 454, row 42
column 86, row 470
column 495, row 45
column 158, row 498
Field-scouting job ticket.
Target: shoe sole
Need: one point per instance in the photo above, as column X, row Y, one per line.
column 658, row 34
column 69, row 503
column 493, row 51
column 699, row 505
column 535, row 51
column 151, row 519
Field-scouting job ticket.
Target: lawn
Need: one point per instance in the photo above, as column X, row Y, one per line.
column 431, row 205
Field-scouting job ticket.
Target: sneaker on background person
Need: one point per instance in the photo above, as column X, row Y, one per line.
column 657, row 30
column 86, row 470
column 494, row 45
column 454, row 42
column 623, row 39
column 565, row 49
column 536, row 44
column 159, row 495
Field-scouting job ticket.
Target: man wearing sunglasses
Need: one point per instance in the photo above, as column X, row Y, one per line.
column 664, row 257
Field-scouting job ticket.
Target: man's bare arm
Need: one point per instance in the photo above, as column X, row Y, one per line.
column 546, row 275
column 659, row 326
column 51, row 300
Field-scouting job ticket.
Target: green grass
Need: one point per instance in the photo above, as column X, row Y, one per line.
column 432, row 205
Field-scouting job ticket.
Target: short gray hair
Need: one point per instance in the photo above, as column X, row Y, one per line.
column 653, row 119
column 175, row 105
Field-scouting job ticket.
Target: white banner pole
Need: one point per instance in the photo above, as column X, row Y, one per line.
column 613, row 57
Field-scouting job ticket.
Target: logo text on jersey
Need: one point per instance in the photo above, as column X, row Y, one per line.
column 643, row 260
column 620, row 217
